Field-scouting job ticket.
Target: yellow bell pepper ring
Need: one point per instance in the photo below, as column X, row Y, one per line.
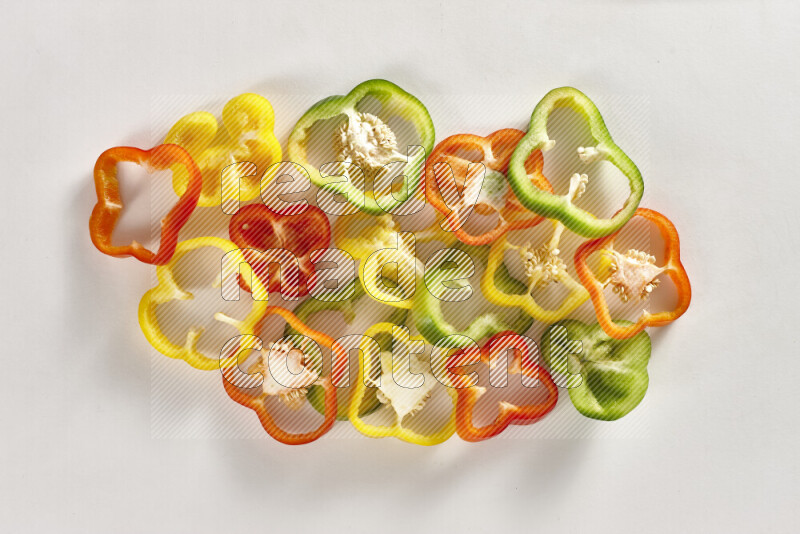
column 168, row 290
column 247, row 136
column 554, row 272
column 406, row 402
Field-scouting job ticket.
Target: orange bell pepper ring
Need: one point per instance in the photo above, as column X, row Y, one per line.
column 634, row 275
column 108, row 209
column 454, row 188
column 520, row 364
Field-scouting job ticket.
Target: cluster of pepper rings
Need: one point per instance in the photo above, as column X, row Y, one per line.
column 604, row 365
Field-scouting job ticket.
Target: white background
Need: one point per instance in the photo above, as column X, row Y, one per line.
column 721, row 452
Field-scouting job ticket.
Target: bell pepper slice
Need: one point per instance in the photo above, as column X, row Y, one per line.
column 362, row 235
column 543, row 266
column 247, row 136
column 559, row 207
column 256, row 228
column 107, row 211
column 293, row 395
column 634, row 275
column 521, row 363
column 429, row 317
column 307, row 310
column 449, row 175
column 398, row 429
column 613, row 372
column 168, row 290
column 366, row 141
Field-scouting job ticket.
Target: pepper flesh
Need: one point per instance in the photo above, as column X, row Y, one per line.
column 613, row 372
column 256, row 400
column 108, row 209
column 496, row 150
column 168, row 290
column 557, row 207
column 248, row 136
column 520, row 364
column 641, row 276
column 256, row 228
column 366, row 139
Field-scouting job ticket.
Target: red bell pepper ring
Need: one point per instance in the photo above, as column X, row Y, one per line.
column 643, row 273
column 495, row 194
column 256, row 226
column 108, row 209
column 255, row 399
column 520, row 363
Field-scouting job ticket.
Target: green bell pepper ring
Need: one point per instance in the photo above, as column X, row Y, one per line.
column 613, row 372
column 558, row 207
column 367, row 141
column 307, row 310
column 429, row 318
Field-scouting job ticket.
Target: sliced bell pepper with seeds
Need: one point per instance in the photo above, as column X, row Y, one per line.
column 634, row 275
column 558, row 207
column 451, row 181
column 349, row 308
column 107, row 211
column 521, row 363
column 543, row 266
column 289, row 388
column 609, row 376
column 256, row 228
column 168, row 290
column 247, row 136
column 404, row 402
column 367, row 141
